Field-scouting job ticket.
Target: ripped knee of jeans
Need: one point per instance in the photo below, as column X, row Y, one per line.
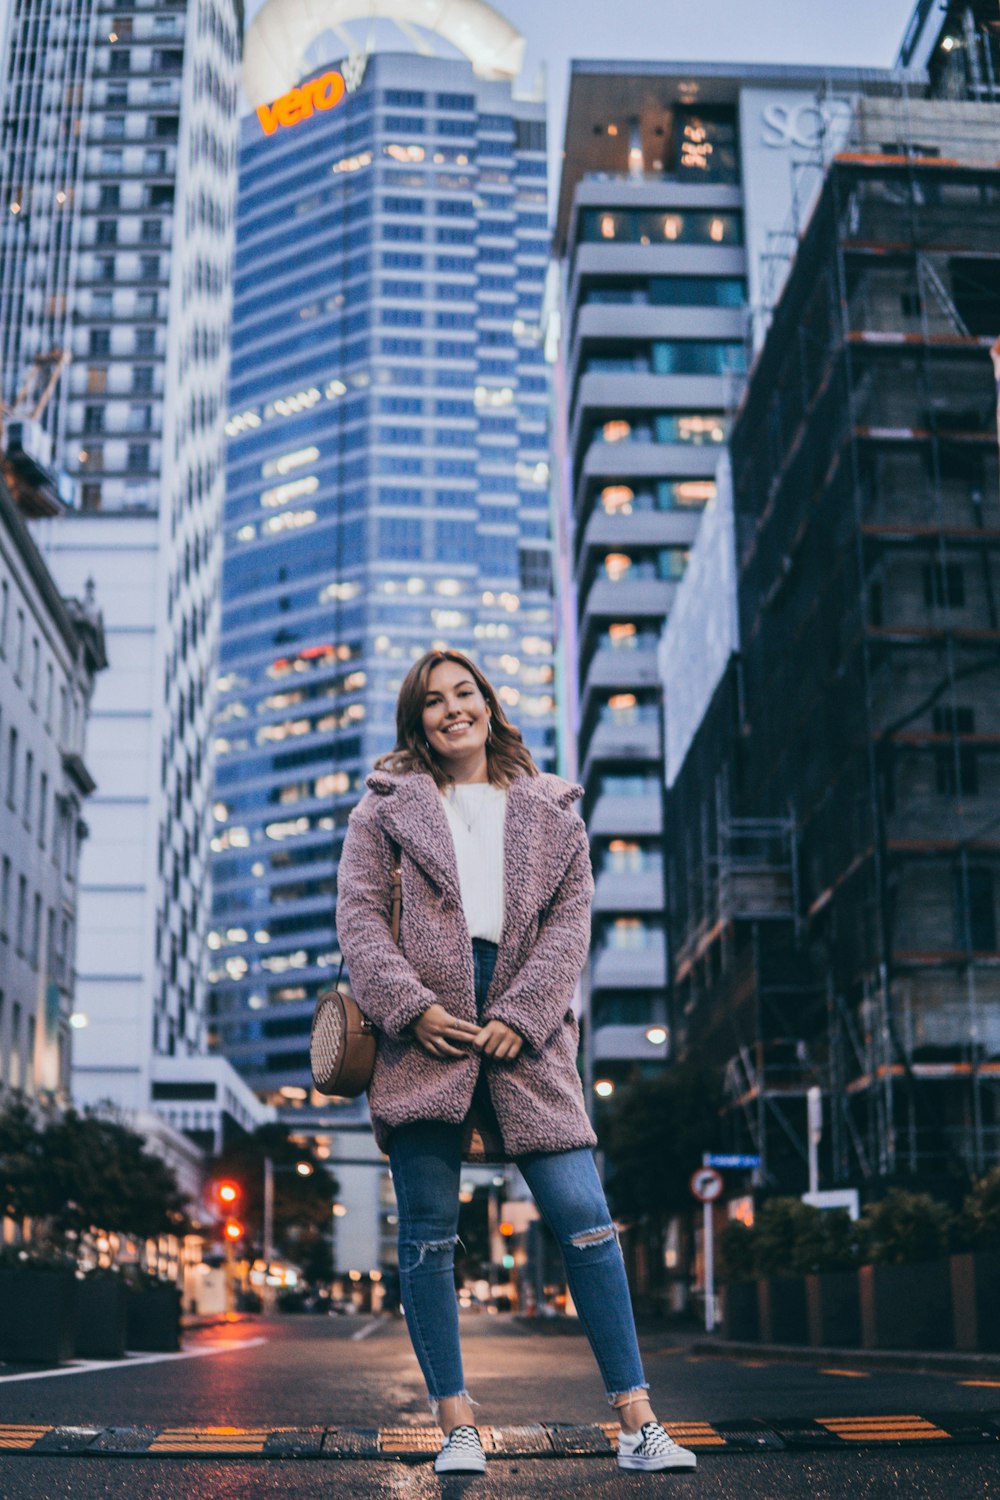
column 588, row 1239
column 423, row 1248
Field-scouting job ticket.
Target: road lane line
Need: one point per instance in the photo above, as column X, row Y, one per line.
column 853, row 1374
column 92, row 1366
column 363, row 1333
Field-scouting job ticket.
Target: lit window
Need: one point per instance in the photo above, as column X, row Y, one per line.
column 616, row 432
column 616, row 565
column 289, row 520
column 607, row 226
column 673, row 225
column 289, row 461
column 622, row 635
column 283, row 493
column 717, row 230
column 617, row 499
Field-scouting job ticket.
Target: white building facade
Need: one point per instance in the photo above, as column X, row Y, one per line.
column 50, row 653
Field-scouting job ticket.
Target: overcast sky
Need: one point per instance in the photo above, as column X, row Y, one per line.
column 860, row 33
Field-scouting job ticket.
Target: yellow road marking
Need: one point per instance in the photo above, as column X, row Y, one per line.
column 991, row 1383
column 881, row 1429
column 19, row 1436
column 850, row 1374
column 210, row 1440
column 410, row 1439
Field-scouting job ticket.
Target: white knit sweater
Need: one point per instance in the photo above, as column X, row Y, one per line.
column 476, row 813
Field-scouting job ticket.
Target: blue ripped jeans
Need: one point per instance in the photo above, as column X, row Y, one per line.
column 426, row 1160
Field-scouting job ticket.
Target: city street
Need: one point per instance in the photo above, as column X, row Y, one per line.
column 351, row 1389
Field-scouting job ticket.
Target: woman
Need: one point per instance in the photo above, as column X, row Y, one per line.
column 473, row 1006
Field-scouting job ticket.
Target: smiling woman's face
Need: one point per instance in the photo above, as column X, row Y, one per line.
column 456, row 716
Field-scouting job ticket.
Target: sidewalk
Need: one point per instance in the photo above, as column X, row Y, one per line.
column 928, row 1361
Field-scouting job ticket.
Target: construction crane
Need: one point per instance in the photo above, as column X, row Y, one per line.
column 25, row 467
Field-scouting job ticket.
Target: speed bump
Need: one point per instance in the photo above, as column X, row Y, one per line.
column 554, row 1441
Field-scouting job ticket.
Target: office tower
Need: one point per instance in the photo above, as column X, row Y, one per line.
column 133, row 168
column 681, row 191
column 387, row 487
column 51, row 650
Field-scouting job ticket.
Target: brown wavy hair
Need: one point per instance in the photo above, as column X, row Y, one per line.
column 507, row 755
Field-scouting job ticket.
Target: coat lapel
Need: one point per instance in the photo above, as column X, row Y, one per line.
column 414, row 818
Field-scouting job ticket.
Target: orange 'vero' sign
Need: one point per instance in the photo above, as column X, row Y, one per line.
column 298, row 104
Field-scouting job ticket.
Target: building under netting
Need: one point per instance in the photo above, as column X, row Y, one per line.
column 834, row 828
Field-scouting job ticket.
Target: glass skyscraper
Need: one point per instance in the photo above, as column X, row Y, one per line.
column 387, row 488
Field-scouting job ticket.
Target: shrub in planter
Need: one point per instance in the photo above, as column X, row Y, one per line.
column 101, row 1316
column 906, row 1306
column 975, row 1277
column 903, row 1228
column 781, row 1303
column 153, row 1316
column 833, row 1309
column 37, row 1312
column 735, row 1257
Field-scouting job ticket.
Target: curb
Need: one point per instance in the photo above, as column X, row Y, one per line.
column 926, row 1361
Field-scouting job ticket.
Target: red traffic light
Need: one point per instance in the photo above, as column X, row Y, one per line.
column 233, row 1230
column 227, row 1192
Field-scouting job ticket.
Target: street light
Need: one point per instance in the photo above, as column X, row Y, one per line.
column 604, row 1088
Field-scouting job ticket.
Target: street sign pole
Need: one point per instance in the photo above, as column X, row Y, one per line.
column 709, row 1242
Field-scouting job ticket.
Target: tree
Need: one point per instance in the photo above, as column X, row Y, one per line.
column 80, row 1172
column 302, row 1205
column 658, row 1129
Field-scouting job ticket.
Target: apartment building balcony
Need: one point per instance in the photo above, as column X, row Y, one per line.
column 637, row 599
column 622, row 259
column 640, row 528
column 627, row 1044
column 624, row 321
column 629, row 890
column 644, row 459
column 642, row 390
column 632, row 739
column 621, row 966
column 617, row 670
column 634, row 814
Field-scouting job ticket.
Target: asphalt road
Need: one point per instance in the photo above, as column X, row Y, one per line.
column 351, row 1373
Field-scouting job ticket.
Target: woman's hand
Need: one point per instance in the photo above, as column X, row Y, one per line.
column 437, row 1030
column 499, row 1041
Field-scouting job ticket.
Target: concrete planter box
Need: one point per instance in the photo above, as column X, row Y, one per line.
column 101, row 1316
column 153, row 1319
column 975, row 1283
column 906, row 1307
column 833, row 1310
column 740, row 1318
column 37, row 1316
column 781, row 1306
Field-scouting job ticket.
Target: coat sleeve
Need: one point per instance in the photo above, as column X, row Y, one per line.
column 535, row 1003
column 384, row 984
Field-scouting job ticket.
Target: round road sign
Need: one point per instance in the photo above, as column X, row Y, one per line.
column 706, row 1184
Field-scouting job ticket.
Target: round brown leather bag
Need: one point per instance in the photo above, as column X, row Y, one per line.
column 342, row 1041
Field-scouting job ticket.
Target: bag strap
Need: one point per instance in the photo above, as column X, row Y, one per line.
column 397, row 911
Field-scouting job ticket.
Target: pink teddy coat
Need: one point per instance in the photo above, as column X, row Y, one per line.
column 548, row 888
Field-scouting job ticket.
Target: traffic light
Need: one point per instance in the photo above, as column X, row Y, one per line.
column 233, row 1230
column 506, row 1230
column 227, row 1193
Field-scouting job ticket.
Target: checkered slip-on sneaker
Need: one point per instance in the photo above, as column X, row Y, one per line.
column 652, row 1448
column 462, row 1453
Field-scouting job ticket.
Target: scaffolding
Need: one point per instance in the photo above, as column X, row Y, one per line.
column 835, row 847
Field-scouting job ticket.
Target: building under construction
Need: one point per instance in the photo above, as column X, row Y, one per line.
column 833, row 834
